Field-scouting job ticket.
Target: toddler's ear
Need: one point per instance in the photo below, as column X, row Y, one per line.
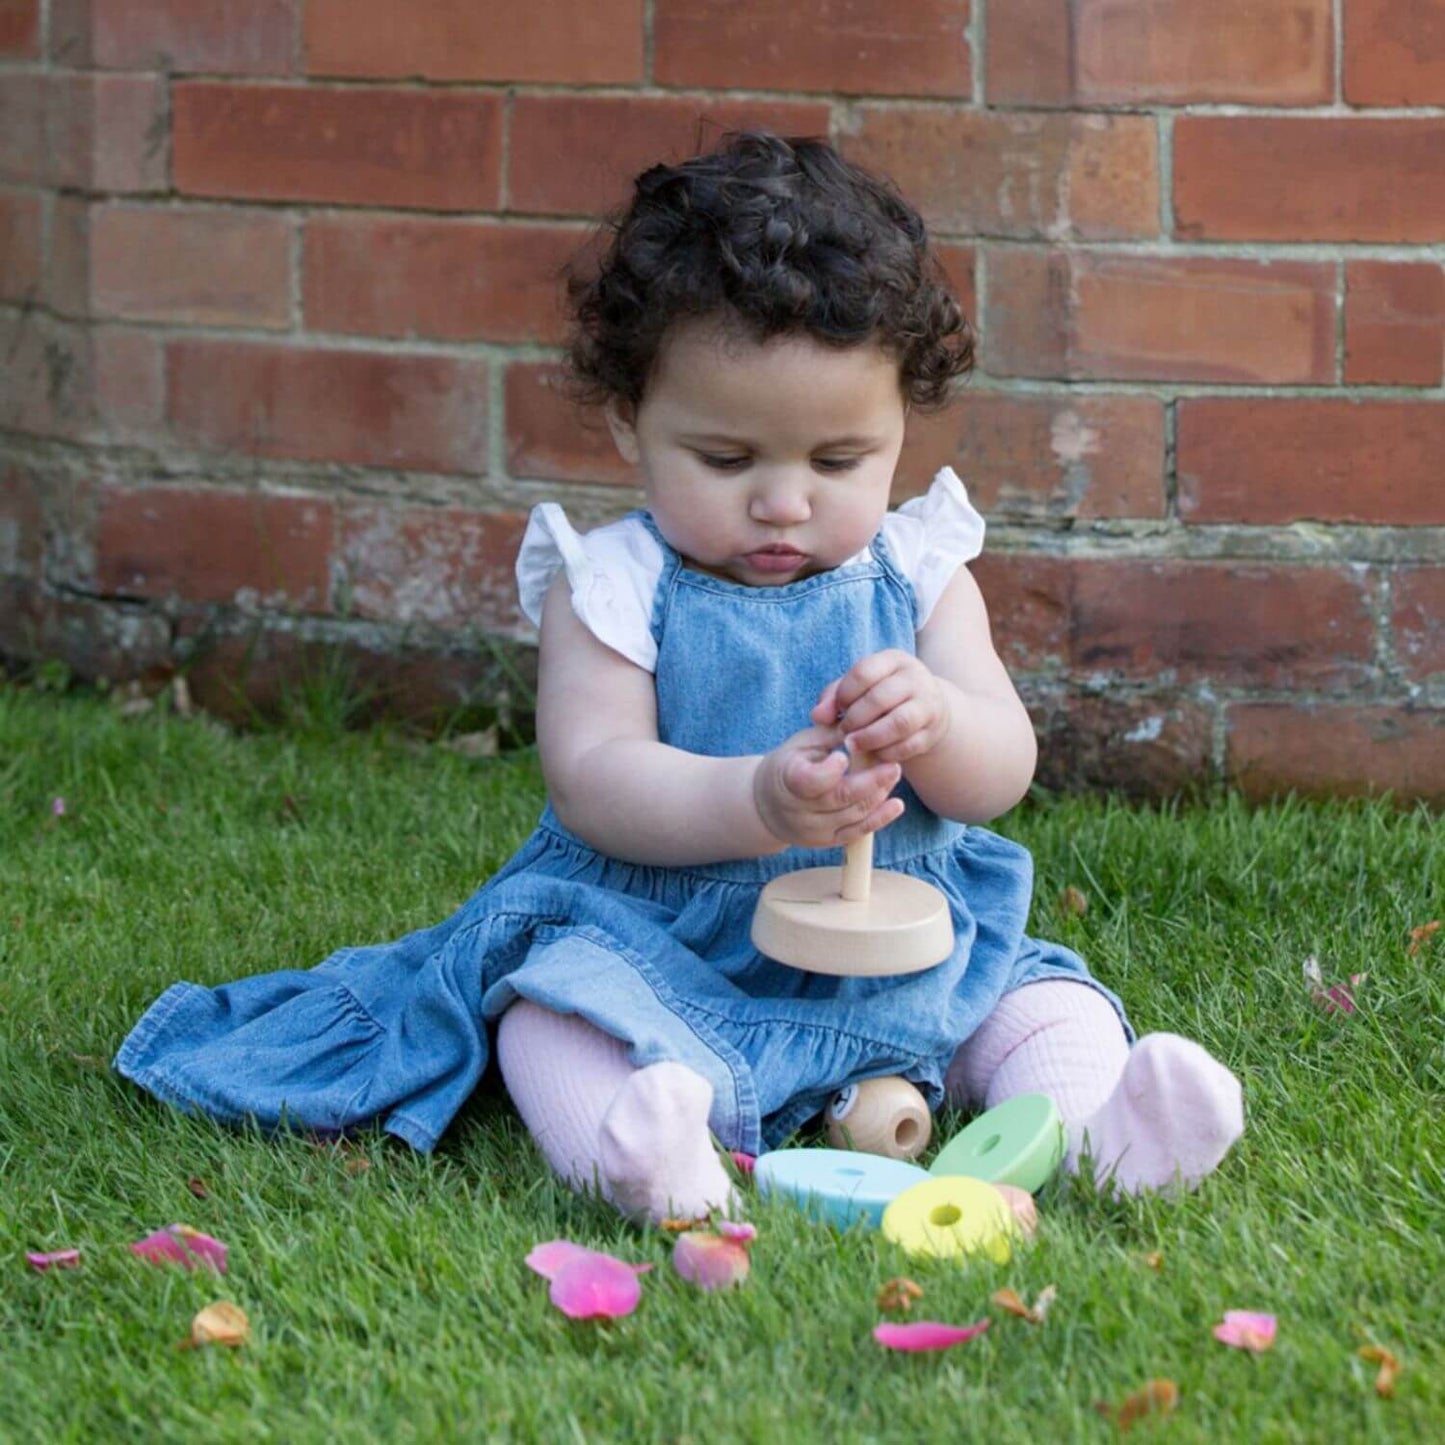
column 619, row 416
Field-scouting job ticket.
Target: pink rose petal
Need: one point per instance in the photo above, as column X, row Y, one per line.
column 57, row 1259
column 595, row 1286
column 547, row 1259
column 926, row 1334
column 737, row 1229
column 745, row 1162
column 180, row 1244
column 1246, row 1330
column 712, row 1261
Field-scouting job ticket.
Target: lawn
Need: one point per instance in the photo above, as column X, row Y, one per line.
column 386, row 1291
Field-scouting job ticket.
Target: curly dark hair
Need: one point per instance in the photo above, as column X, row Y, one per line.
column 775, row 235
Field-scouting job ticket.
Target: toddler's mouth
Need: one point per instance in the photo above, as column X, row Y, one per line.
column 776, row 559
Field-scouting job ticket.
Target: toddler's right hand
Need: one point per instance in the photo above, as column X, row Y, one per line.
column 806, row 796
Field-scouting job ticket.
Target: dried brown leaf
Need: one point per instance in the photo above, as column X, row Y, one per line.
column 899, row 1294
column 1389, row 1368
column 222, row 1323
column 1154, row 1397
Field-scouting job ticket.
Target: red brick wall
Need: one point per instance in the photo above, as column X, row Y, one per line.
column 278, row 315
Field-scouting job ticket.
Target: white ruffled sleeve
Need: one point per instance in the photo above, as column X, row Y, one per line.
column 612, row 571
column 932, row 536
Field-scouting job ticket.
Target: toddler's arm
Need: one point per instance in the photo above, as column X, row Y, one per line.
column 950, row 716
column 614, row 784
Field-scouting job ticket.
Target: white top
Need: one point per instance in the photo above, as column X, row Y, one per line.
column 614, row 570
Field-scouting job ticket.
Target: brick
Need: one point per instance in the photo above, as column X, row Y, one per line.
column 577, row 155
column 107, row 132
column 1231, row 624
column 423, row 413
column 213, row 546
column 47, row 387
column 95, row 639
column 450, row 279
column 1394, row 52
column 128, row 368
column 21, row 268
column 22, row 532
column 23, row 96
column 1417, row 621
column 374, row 146
column 551, row 438
column 1085, row 316
column 20, row 28
column 960, row 264
column 181, row 36
column 1171, row 52
column 1394, row 323
column 67, row 256
column 1070, row 456
column 1147, row 745
column 574, row 42
column 874, row 47
column 1290, row 459
column 1348, row 179
column 197, row 265
column 1029, row 599
column 443, row 567
column 1026, row 176
column 1338, row 751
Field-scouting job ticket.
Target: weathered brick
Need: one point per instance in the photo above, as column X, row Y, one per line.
column 1394, row 323
column 181, row 36
column 21, row 525
column 574, row 42
column 67, row 256
column 374, row 146
column 1149, row 745
column 1083, row 315
column 1262, row 178
column 1336, row 751
column 1288, row 459
column 213, row 546
column 1232, row 624
column 458, row 280
column 551, row 438
column 1072, row 456
column 577, row 155
column 1030, row 176
column 1029, row 597
column 445, row 567
column 1174, row 52
column 1418, row 622
column 23, row 97
column 21, row 216
column 196, row 264
column 874, row 47
column 96, row 639
column 128, row 368
column 107, row 132
column 1394, row 52
column 20, row 28
column 423, row 413
column 47, row 388
column 960, row 264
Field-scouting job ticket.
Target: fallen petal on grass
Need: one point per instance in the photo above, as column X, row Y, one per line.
column 926, row 1335
column 56, row 1259
column 899, row 1294
column 1420, row 936
column 1011, row 1301
column 1246, row 1330
column 1153, row 1397
column 712, row 1261
column 595, row 1286
column 744, row 1162
column 222, row 1323
column 1074, row 901
column 1335, row 997
column 180, row 1244
column 1389, row 1368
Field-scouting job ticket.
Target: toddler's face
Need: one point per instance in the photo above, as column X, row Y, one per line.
column 765, row 463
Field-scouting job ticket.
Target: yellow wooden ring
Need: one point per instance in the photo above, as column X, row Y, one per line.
column 951, row 1216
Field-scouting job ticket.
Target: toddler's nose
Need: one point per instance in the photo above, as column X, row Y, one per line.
column 781, row 503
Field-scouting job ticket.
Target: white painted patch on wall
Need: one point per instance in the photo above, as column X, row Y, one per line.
column 1147, row 731
column 1071, row 439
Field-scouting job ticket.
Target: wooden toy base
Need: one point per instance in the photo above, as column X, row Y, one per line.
column 902, row 926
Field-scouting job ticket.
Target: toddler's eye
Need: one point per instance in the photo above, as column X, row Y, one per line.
column 722, row 463
column 835, row 464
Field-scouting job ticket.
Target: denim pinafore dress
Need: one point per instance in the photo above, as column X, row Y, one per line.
column 658, row 957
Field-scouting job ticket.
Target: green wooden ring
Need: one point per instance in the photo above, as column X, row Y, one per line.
column 1019, row 1142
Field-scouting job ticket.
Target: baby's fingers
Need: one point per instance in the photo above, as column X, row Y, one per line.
column 888, row 811
column 812, row 778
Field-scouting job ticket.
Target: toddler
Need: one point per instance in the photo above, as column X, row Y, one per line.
column 764, row 320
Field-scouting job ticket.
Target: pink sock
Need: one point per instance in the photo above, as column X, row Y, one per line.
column 638, row 1136
column 1162, row 1113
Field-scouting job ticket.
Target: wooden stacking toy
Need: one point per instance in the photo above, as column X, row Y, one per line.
column 880, row 1116
column 1019, row 1142
column 951, row 1218
column 836, row 1186
column 854, row 920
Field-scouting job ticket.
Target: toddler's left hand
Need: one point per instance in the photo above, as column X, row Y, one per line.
column 889, row 705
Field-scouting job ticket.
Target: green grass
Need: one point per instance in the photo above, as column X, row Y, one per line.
column 387, row 1292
